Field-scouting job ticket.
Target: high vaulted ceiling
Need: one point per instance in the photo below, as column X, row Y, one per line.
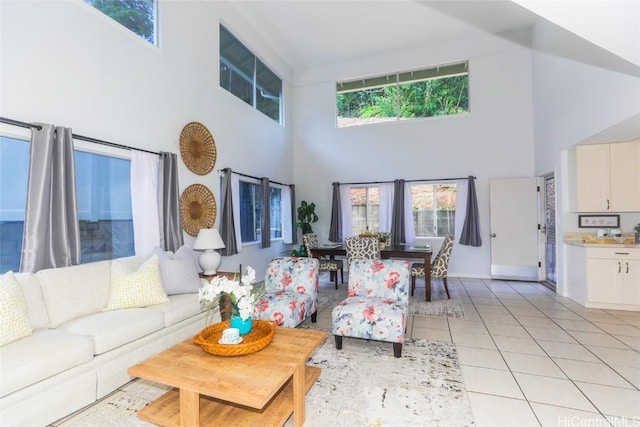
column 310, row 33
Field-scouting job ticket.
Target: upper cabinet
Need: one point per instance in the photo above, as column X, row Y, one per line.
column 607, row 177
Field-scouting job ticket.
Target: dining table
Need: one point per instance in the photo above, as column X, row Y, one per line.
column 388, row 251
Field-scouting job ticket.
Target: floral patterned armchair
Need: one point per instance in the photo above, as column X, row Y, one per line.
column 291, row 291
column 377, row 304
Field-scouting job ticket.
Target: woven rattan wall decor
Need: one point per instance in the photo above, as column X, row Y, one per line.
column 198, row 208
column 197, row 148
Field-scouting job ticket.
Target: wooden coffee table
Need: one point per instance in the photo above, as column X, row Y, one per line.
column 262, row 388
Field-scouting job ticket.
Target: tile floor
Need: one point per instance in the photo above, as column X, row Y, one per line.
column 530, row 357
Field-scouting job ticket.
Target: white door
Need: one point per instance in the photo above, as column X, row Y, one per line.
column 514, row 229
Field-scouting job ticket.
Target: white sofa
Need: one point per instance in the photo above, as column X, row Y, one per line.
column 77, row 352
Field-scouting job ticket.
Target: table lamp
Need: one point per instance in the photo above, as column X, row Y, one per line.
column 209, row 240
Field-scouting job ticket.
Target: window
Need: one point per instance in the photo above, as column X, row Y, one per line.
column 248, row 78
column 104, row 204
column 14, row 175
column 365, row 209
column 251, row 210
column 409, row 95
column 434, row 209
column 138, row 16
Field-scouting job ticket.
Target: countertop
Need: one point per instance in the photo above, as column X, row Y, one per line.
column 576, row 239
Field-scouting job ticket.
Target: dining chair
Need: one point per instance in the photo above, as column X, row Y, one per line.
column 310, row 241
column 439, row 265
column 361, row 248
column 377, row 305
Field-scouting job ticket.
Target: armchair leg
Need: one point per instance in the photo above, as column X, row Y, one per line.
column 446, row 287
column 339, row 342
column 342, row 276
column 314, row 316
column 413, row 284
column 335, row 277
column 397, row 349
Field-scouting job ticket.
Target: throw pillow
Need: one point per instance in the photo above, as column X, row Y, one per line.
column 180, row 272
column 14, row 317
column 140, row 288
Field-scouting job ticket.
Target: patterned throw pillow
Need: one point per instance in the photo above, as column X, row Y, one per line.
column 140, row 288
column 14, row 317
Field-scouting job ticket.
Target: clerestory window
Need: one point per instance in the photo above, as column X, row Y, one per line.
column 248, row 78
column 139, row 16
column 429, row 92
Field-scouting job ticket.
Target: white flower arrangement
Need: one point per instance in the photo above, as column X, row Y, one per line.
column 242, row 295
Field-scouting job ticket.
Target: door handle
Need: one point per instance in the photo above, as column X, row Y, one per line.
column 493, row 234
column 619, row 267
column 627, row 268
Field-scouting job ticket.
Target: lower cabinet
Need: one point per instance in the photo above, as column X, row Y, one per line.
column 613, row 277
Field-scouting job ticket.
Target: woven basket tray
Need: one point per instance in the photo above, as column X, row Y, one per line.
column 260, row 336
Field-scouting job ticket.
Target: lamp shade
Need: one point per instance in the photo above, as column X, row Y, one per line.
column 208, row 238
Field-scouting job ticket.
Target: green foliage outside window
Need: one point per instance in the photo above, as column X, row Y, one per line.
column 400, row 97
column 136, row 15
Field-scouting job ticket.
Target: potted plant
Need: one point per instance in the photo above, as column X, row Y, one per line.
column 306, row 217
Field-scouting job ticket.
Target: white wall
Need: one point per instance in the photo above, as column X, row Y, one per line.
column 573, row 101
column 493, row 141
column 64, row 62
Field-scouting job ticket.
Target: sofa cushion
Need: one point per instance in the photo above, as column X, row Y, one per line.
column 43, row 354
column 35, row 301
column 178, row 308
column 179, row 272
column 14, row 317
column 139, row 288
column 72, row 292
column 111, row 329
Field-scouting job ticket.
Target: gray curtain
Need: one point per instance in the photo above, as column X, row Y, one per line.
column 51, row 228
column 227, row 222
column 335, row 227
column 265, row 214
column 470, row 235
column 294, row 216
column 397, row 218
column 171, row 238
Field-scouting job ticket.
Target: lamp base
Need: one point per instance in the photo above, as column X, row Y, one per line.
column 209, row 262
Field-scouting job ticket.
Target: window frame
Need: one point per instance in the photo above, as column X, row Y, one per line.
column 398, row 80
column 257, row 96
column 369, row 225
column 435, row 211
column 79, row 146
column 257, row 230
column 154, row 35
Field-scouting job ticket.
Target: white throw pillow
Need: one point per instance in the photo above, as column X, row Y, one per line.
column 140, row 288
column 14, row 317
column 179, row 272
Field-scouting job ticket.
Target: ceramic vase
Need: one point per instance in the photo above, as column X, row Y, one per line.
column 244, row 326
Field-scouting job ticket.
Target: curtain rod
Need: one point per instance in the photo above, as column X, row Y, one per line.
column 407, row 180
column 75, row 136
column 253, row 177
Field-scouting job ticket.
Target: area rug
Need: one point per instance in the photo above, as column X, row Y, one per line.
column 439, row 306
column 361, row 385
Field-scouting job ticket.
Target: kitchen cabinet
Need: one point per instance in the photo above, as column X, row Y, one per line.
column 608, row 177
column 613, row 277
